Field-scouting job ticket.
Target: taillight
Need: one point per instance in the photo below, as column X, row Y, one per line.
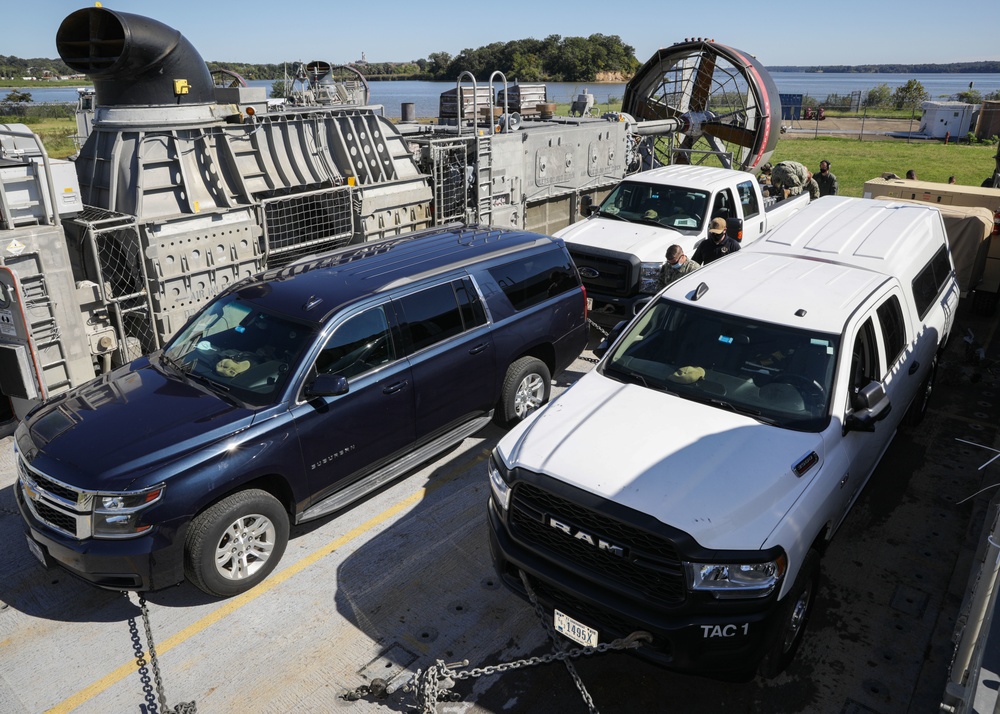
column 585, row 302
column 996, row 222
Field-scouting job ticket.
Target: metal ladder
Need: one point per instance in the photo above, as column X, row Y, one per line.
column 26, row 170
column 484, row 143
column 25, row 179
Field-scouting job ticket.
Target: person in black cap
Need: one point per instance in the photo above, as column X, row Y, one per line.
column 716, row 245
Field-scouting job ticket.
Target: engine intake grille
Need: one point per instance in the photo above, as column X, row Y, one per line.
column 59, row 506
column 614, row 277
column 650, row 564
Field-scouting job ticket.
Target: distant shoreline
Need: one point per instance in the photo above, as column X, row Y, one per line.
column 957, row 68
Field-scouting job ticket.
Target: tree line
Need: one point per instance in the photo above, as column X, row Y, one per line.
column 553, row 59
column 987, row 67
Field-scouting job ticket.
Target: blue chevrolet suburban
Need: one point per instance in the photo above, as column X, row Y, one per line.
column 290, row 396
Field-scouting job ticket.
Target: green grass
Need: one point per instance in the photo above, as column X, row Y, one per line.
column 855, row 162
column 56, row 134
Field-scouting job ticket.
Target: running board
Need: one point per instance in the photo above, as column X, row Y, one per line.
column 362, row 487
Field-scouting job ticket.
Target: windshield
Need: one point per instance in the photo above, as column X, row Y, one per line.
column 773, row 373
column 234, row 347
column 669, row 206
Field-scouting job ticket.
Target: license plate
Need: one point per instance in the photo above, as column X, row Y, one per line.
column 590, row 304
column 37, row 551
column 576, row 631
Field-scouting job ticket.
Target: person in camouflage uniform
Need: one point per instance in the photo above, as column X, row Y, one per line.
column 811, row 186
column 677, row 265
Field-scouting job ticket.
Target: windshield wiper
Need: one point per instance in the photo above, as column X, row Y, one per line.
column 172, row 363
column 613, row 215
column 210, row 383
column 747, row 411
column 634, row 377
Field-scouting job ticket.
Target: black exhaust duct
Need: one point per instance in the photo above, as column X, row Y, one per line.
column 134, row 60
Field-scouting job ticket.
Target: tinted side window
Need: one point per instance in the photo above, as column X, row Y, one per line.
column 531, row 280
column 748, row 197
column 432, row 315
column 930, row 280
column 361, row 344
column 890, row 317
column 864, row 359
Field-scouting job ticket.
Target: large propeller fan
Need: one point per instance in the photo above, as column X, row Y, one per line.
column 704, row 103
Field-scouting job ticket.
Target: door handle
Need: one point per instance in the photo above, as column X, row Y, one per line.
column 914, row 367
column 393, row 388
column 478, row 348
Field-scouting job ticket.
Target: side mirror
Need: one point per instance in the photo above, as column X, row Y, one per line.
column 734, row 228
column 609, row 340
column 587, row 206
column 870, row 405
column 327, row 385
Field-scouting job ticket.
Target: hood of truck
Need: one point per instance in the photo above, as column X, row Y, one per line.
column 106, row 433
column 648, row 243
column 723, row 478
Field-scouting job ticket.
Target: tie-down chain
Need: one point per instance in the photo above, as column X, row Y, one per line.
column 435, row 684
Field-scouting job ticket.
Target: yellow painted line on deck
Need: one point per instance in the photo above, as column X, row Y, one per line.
column 276, row 579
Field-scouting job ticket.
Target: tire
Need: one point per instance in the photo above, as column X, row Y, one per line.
column 918, row 407
column 525, row 388
column 235, row 544
column 795, row 610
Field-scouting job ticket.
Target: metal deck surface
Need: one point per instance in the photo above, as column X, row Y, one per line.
column 405, row 578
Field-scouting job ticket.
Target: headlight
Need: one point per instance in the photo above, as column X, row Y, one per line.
column 501, row 489
column 116, row 515
column 649, row 277
column 728, row 581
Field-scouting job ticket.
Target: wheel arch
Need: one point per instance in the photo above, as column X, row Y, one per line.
column 544, row 351
column 273, row 483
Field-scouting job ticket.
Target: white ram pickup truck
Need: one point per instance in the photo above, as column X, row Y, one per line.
column 621, row 246
column 689, row 484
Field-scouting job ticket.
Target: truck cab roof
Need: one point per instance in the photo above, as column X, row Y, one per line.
column 886, row 237
column 826, row 259
column 704, row 178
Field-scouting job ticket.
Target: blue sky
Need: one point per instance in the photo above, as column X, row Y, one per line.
column 806, row 32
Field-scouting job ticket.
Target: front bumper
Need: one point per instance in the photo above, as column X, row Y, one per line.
column 718, row 639
column 150, row 562
column 607, row 311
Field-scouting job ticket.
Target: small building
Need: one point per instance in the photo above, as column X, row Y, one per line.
column 941, row 118
column 989, row 120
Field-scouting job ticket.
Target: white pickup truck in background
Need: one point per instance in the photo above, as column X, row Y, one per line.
column 622, row 245
column 690, row 483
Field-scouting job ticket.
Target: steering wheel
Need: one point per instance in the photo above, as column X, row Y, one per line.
column 810, row 389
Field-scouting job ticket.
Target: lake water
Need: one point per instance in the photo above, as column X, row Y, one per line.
column 426, row 95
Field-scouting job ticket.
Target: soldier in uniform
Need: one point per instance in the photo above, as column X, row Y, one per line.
column 716, row 245
column 677, row 265
column 811, row 186
column 826, row 180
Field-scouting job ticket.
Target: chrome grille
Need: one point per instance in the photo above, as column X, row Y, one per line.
column 651, row 564
column 57, row 505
